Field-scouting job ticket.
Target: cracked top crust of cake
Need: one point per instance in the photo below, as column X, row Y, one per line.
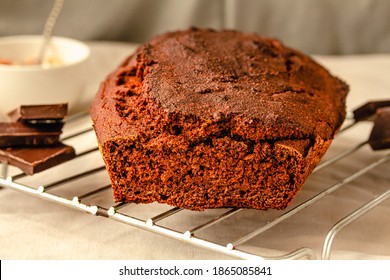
column 263, row 89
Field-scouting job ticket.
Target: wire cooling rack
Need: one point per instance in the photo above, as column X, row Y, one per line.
column 96, row 198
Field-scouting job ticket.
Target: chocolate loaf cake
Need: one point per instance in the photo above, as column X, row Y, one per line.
column 204, row 119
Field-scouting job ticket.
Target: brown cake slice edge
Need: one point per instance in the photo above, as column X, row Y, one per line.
column 215, row 180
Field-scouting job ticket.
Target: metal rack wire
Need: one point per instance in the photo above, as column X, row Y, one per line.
column 84, row 202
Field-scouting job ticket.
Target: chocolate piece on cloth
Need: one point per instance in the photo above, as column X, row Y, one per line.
column 380, row 134
column 368, row 110
column 22, row 134
column 32, row 160
column 39, row 112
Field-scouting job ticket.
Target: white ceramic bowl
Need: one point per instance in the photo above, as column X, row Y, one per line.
column 24, row 84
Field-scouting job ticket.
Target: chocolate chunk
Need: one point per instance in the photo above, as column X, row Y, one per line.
column 380, row 135
column 36, row 159
column 368, row 110
column 19, row 134
column 39, row 112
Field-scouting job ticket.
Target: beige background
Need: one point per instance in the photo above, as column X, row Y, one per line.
column 313, row 26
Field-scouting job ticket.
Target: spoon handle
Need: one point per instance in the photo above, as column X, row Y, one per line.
column 48, row 29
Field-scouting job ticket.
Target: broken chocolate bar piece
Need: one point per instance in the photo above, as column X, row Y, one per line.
column 380, row 134
column 54, row 112
column 23, row 134
column 368, row 110
column 36, row 159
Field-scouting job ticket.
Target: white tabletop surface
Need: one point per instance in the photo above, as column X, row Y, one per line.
column 32, row 228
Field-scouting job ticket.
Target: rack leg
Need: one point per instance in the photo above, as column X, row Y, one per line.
column 4, row 170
